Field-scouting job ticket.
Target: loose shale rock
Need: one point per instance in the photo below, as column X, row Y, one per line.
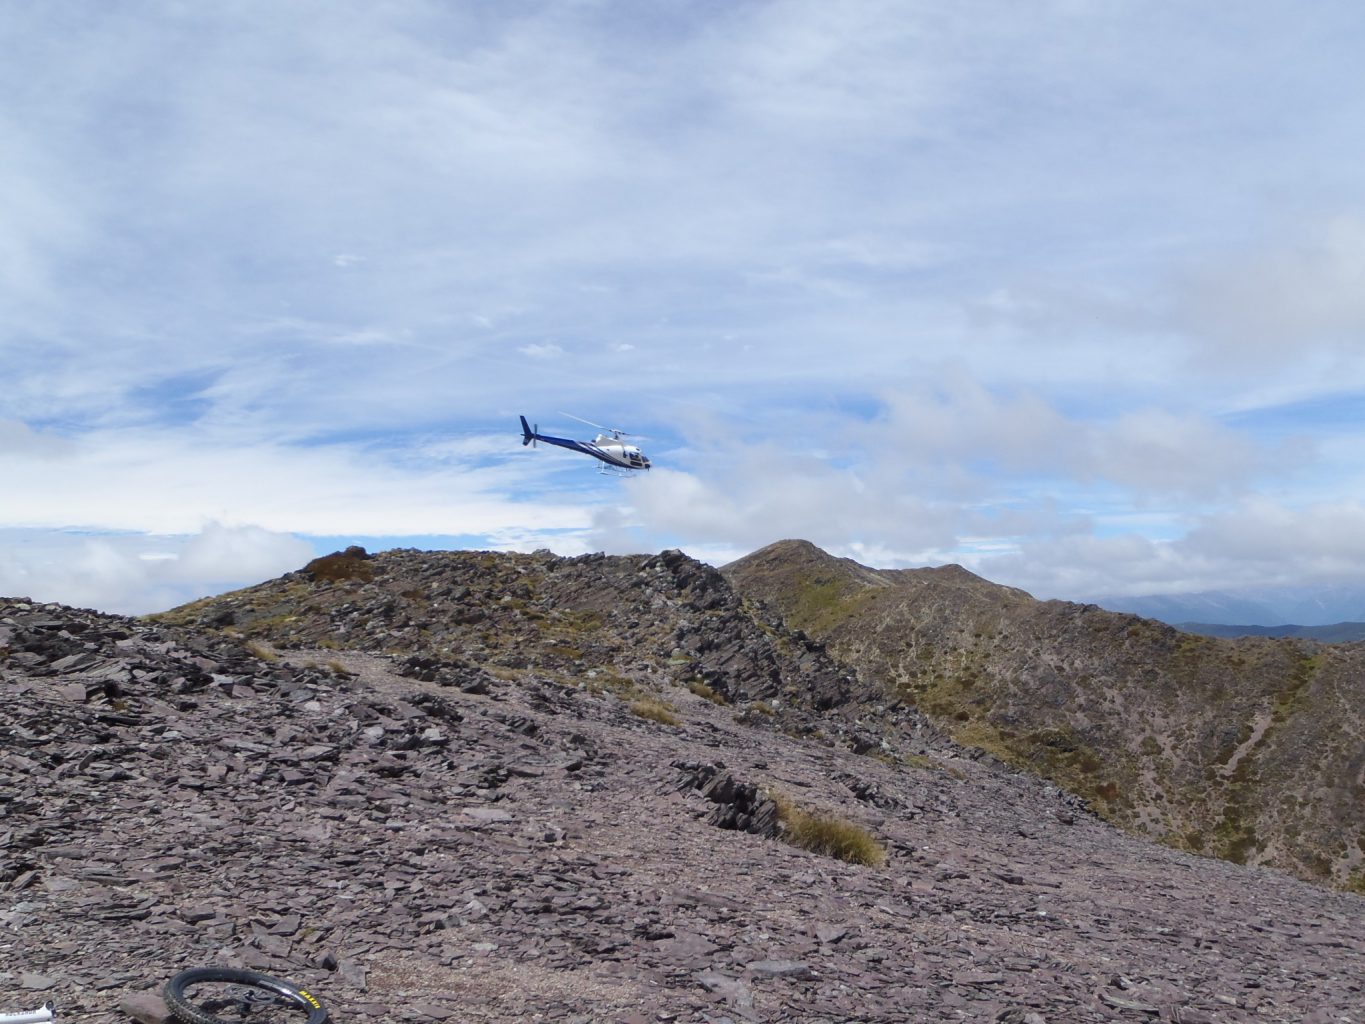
column 496, row 843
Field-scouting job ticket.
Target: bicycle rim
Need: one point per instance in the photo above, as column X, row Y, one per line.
column 227, row 995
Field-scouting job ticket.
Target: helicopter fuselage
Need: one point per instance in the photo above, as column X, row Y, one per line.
column 609, row 449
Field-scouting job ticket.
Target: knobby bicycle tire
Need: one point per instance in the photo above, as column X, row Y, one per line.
column 178, row 996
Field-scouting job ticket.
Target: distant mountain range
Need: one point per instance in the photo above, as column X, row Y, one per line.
column 1266, row 606
column 1336, row 633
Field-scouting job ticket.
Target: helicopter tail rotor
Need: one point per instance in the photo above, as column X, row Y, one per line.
column 528, row 434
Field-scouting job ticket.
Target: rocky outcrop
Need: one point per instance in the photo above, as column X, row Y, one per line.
column 742, row 806
column 594, row 620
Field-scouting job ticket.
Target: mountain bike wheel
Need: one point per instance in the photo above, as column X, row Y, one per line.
column 226, row 995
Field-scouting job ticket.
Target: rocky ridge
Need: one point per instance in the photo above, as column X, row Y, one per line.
column 663, row 618
column 486, row 832
column 1250, row 749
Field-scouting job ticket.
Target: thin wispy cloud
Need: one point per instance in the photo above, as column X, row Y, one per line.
column 1070, row 293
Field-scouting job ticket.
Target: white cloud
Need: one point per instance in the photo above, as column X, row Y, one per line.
column 138, row 574
column 542, row 351
column 1151, row 452
column 235, row 553
column 1156, row 452
column 765, row 495
column 798, row 213
column 44, row 223
column 1270, row 541
column 1255, row 543
column 1084, row 564
column 1282, row 297
column 173, row 484
column 17, row 438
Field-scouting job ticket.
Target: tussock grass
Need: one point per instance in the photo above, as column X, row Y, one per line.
column 261, row 651
column 755, row 714
column 827, row 834
column 655, row 711
column 605, row 681
column 921, row 762
column 704, row 691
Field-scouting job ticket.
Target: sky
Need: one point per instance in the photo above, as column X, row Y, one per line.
column 1071, row 292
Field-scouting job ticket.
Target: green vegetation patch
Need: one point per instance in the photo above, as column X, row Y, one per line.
column 1356, row 881
column 819, row 605
column 1294, row 697
column 961, row 699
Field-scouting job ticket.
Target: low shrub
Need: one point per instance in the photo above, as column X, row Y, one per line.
column 350, row 564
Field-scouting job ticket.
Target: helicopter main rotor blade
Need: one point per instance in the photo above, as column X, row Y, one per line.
column 610, row 430
column 580, row 419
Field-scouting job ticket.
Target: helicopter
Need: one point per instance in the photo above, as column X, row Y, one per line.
column 607, row 446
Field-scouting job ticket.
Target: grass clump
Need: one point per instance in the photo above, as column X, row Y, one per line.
column 262, row 652
column 827, row 834
column 922, row 762
column 582, row 622
column 605, row 681
column 755, row 714
column 705, row 692
column 655, row 711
